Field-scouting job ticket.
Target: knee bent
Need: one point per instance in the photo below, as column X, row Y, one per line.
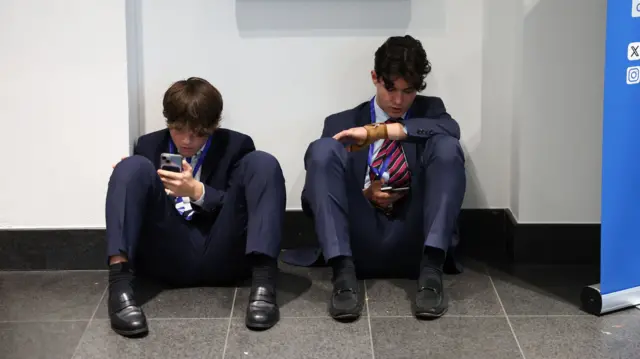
column 133, row 166
column 262, row 161
column 445, row 149
column 322, row 151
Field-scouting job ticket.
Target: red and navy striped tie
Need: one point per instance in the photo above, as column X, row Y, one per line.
column 398, row 169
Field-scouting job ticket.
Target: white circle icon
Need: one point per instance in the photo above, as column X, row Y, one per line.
column 633, row 75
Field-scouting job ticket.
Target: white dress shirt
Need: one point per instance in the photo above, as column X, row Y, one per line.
column 381, row 117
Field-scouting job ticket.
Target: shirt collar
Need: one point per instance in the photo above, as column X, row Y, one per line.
column 197, row 154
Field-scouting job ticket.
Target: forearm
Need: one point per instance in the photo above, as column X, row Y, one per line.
column 396, row 131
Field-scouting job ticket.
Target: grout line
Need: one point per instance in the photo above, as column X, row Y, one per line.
column 41, row 271
column 44, row 321
column 549, row 315
column 226, row 339
column 513, row 332
column 366, row 301
column 448, row 316
column 90, row 320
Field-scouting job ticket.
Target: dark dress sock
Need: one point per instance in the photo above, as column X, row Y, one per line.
column 120, row 278
column 264, row 271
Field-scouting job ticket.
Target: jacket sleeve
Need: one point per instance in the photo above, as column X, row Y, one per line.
column 214, row 198
column 435, row 122
column 136, row 146
column 421, row 129
column 329, row 128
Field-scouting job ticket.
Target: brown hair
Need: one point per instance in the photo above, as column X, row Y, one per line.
column 193, row 104
column 402, row 57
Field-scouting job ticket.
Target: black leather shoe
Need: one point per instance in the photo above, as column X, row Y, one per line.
column 431, row 302
column 127, row 319
column 262, row 311
column 346, row 303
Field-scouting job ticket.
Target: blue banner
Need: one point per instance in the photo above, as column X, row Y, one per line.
column 620, row 236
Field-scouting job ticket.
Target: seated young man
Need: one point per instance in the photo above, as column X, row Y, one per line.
column 385, row 185
column 218, row 220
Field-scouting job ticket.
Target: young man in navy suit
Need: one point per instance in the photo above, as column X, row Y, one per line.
column 385, row 185
column 217, row 220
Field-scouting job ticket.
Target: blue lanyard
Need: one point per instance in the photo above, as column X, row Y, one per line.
column 381, row 171
column 200, row 158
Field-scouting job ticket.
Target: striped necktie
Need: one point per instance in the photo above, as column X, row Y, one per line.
column 398, row 169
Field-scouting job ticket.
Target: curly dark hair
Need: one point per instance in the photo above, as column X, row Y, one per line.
column 402, row 57
column 194, row 104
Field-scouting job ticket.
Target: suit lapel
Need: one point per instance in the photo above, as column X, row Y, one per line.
column 410, row 155
column 212, row 158
column 361, row 157
column 162, row 148
column 410, row 148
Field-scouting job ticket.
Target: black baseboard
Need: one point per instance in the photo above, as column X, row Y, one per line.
column 487, row 234
column 557, row 243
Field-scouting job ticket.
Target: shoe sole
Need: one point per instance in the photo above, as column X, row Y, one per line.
column 131, row 333
column 259, row 326
column 428, row 316
column 346, row 317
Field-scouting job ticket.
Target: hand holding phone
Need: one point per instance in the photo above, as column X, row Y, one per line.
column 176, row 175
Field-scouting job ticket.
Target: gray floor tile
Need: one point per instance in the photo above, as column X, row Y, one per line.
column 302, row 292
column 38, row 340
column 453, row 337
column 173, row 338
column 293, row 338
column 614, row 336
column 469, row 293
column 50, row 295
column 199, row 302
column 542, row 290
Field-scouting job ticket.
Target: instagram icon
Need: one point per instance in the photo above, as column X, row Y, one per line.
column 635, row 10
column 633, row 75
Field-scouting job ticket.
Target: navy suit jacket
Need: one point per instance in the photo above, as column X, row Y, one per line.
column 429, row 118
column 226, row 150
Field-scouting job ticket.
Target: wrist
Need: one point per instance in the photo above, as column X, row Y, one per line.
column 395, row 131
column 196, row 190
column 375, row 132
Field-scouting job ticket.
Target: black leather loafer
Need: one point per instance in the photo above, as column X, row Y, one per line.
column 127, row 318
column 430, row 303
column 346, row 303
column 262, row 311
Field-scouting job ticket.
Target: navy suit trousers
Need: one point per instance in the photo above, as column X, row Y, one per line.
column 347, row 224
column 143, row 223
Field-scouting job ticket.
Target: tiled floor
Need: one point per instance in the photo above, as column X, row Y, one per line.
column 495, row 313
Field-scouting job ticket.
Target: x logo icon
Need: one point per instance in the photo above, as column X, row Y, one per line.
column 634, row 51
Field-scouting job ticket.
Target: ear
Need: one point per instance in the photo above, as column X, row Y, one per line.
column 374, row 77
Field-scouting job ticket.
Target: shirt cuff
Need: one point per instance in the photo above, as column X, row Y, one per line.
column 200, row 200
column 404, row 128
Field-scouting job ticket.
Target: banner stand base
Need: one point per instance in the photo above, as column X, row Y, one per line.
column 593, row 302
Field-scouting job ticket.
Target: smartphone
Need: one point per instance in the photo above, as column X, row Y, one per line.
column 171, row 162
column 391, row 189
